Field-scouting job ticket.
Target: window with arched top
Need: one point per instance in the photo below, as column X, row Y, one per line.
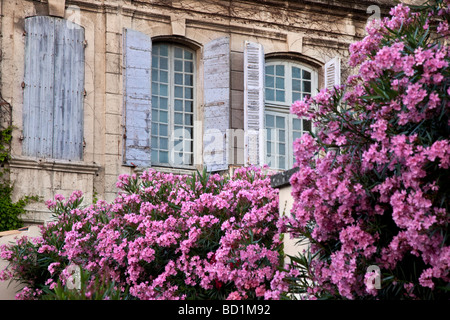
column 286, row 81
column 173, row 96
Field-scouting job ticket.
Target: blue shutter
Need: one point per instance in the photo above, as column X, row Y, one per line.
column 216, row 112
column 68, row 91
column 137, row 59
column 38, row 90
column 54, row 89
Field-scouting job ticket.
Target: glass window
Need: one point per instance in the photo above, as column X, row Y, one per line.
column 172, row 104
column 285, row 83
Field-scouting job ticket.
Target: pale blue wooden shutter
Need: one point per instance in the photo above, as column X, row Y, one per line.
column 38, row 90
column 68, row 91
column 254, row 67
column 216, row 112
column 137, row 59
column 54, row 89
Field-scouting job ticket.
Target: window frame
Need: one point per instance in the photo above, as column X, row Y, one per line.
column 283, row 108
column 171, row 105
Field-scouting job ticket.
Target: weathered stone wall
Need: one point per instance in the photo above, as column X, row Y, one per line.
column 316, row 31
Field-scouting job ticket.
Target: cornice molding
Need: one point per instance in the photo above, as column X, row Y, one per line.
column 17, row 162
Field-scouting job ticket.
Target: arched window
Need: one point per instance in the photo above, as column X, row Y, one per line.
column 285, row 83
column 173, row 100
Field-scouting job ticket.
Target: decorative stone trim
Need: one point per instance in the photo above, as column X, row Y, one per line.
column 54, row 165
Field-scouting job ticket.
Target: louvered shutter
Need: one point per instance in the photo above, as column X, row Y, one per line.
column 137, row 59
column 68, row 91
column 216, row 112
column 253, row 103
column 38, row 90
column 54, row 87
column 333, row 73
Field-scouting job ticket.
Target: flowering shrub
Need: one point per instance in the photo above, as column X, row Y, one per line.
column 164, row 237
column 373, row 185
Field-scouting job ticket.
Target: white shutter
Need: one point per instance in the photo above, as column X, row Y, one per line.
column 137, row 60
column 253, row 103
column 333, row 73
column 216, row 112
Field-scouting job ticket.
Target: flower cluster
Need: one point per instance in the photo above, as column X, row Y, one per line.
column 372, row 186
column 164, row 237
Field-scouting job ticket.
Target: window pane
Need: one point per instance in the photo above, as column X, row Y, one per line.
column 164, row 63
column 163, row 130
column 188, row 146
column 164, row 90
column 164, row 50
column 164, row 157
column 155, row 62
column 188, row 80
column 155, row 75
column 188, row 93
column 296, row 72
column 178, row 78
column 280, row 122
column 269, row 70
column 280, row 70
column 282, row 162
column 188, row 106
column 188, row 55
column 296, row 124
column 188, row 66
column 281, row 135
column 306, row 86
column 178, row 52
column 163, row 103
column 306, row 75
column 178, row 118
column 164, row 143
column 164, row 116
column 269, row 82
column 178, row 65
column 282, row 149
column 154, row 143
column 280, row 83
column 270, row 121
column 188, row 119
column 296, row 96
column 155, row 130
column 306, row 125
column 155, row 115
column 270, row 94
column 296, row 135
column 269, row 147
column 280, row 95
column 296, row 85
column 178, row 105
column 178, row 92
column 164, row 76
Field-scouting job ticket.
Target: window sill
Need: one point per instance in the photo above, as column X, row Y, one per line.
column 53, row 165
column 164, row 169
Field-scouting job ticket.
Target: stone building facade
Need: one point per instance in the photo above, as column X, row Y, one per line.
column 98, row 88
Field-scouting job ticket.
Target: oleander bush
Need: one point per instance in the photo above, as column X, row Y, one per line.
column 164, row 237
column 373, row 183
